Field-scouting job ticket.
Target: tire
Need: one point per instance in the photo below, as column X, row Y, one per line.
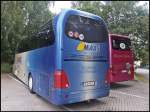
column 30, row 84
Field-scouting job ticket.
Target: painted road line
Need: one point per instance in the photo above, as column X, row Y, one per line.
column 17, row 80
column 127, row 94
column 66, row 108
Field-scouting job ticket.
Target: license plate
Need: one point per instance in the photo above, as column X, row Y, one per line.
column 88, row 83
column 123, row 71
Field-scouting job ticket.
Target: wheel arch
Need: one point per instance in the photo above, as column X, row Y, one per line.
column 29, row 74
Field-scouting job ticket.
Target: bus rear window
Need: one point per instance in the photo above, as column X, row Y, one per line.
column 85, row 29
column 121, row 44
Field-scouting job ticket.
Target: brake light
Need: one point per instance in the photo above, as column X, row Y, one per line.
column 110, row 69
column 131, row 72
column 60, row 80
column 107, row 77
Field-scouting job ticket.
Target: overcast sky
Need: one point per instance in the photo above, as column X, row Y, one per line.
column 67, row 4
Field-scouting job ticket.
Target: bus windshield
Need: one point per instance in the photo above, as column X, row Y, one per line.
column 121, row 44
column 85, row 29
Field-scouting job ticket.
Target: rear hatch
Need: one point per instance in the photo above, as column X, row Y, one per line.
column 122, row 59
column 85, row 70
column 85, row 55
column 122, row 62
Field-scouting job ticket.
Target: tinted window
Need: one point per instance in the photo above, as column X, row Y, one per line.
column 42, row 39
column 121, row 44
column 86, row 29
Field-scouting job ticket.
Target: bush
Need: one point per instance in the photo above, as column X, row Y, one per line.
column 6, row 68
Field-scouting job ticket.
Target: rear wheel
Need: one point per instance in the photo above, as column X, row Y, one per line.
column 30, row 84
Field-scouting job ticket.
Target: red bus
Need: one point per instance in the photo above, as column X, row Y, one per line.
column 121, row 60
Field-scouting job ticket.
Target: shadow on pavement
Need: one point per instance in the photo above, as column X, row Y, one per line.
column 85, row 104
column 78, row 105
column 117, row 86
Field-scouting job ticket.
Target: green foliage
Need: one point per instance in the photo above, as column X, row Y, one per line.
column 19, row 19
column 6, row 68
column 126, row 18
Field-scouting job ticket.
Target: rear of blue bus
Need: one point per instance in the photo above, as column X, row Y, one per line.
column 84, row 62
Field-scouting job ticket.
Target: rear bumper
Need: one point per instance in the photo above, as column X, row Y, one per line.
column 78, row 96
column 121, row 80
column 121, row 77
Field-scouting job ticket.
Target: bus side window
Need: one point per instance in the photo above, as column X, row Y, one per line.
column 32, row 42
column 115, row 44
column 45, row 39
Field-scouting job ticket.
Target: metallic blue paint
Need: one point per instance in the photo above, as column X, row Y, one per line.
column 77, row 71
column 42, row 63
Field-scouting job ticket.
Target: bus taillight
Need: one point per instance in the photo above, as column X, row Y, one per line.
column 107, row 78
column 60, row 80
column 110, row 69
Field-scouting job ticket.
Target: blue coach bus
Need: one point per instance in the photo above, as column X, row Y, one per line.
column 66, row 61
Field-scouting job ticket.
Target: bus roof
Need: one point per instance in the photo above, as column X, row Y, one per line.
column 118, row 35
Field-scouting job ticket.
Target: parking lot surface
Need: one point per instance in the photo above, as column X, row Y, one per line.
column 124, row 96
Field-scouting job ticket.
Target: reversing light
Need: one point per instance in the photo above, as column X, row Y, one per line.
column 67, row 85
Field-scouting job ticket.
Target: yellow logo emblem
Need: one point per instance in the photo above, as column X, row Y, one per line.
column 80, row 46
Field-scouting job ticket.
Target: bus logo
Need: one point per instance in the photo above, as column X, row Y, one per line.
column 80, row 46
column 83, row 46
